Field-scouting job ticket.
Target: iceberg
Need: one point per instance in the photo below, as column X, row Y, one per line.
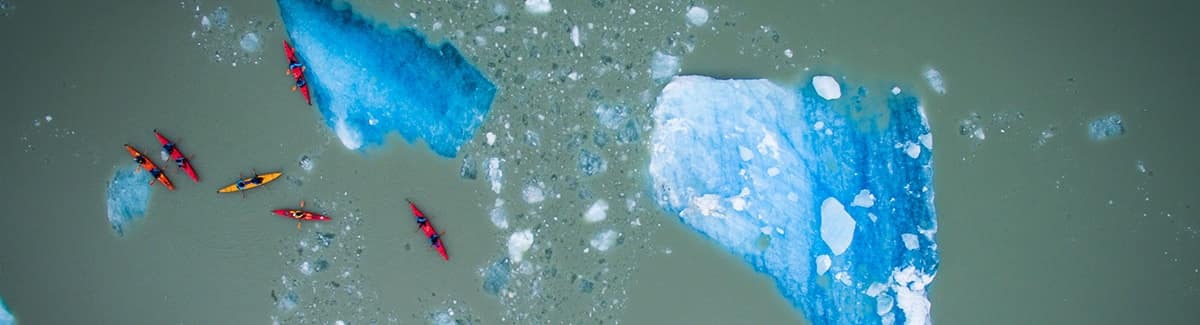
column 6, row 317
column 128, row 195
column 823, row 195
column 369, row 80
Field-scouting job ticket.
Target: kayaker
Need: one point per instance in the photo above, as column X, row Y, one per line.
column 421, row 222
column 140, row 159
column 179, row 162
column 295, row 65
column 297, row 214
column 170, row 146
column 299, row 84
column 256, row 180
column 433, row 239
column 155, row 172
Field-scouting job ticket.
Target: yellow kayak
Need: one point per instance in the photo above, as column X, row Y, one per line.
column 250, row 182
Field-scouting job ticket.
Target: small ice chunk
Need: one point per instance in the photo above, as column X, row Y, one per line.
column 575, row 35
column 250, row 42
column 498, row 216
column 837, row 228
column 591, row 163
column 926, row 140
column 910, row 241
column 533, row 194
column 491, row 138
column 863, row 199
column 895, row 90
column 827, row 87
column 697, row 16
column 745, row 153
column 788, row 53
column 519, row 243
column 49, row 118
column 604, row 240
column 935, row 80
column 306, row 268
column 843, row 277
column 538, row 6
column 494, row 174
column 913, row 150
column 500, row 29
column 663, row 66
column 306, row 163
column 875, row 289
column 883, row 304
column 1106, row 127
column 127, row 197
column 823, row 264
column 597, row 212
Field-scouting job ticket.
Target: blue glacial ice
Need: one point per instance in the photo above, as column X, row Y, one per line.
column 1107, row 127
column 6, row 317
column 127, row 196
column 369, row 80
column 833, row 199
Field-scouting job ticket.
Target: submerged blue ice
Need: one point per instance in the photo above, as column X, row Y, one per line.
column 128, row 195
column 6, row 317
column 370, row 80
column 831, row 198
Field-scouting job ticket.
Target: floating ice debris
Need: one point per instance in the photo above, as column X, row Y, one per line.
column 533, row 194
column 575, row 36
column 518, row 243
column 306, row 268
column 443, row 318
column 128, row 195
column 611, row 116
column 597, row 212
column 434, row 93
column 306, row 163
column 6, row 317
column 604, row 240
column 498, row 216
column 49, row 118
column 697, row 16
column 494, row 174
column 827, row 87
column 495, row 277
column 791, row 223
column 220, row 17
column 250, row 42
column 289, row 301
column 663, row 66
column 837, row 228
column 537, row 6
column 788, row 53
column 910, row 241
column 1106, row 127
column 863, row 199
column 935, row 80
column 895, row 90
column 491, row 138
column 590, row 163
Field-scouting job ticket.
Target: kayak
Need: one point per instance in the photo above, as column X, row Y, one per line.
column 303, row 215
column 247, row 183
column 300, row 215
column 149, row 166
column 176, row 155
column 296, row 70
column 431, row 233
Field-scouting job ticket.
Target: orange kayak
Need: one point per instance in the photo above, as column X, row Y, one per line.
column 149, row 166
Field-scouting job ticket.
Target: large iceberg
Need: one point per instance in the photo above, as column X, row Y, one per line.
column 831, row 198
column 128, row 195
column 370, row 80
column 6, row 317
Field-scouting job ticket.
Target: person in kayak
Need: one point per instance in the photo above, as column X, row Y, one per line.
column 179, row 162
column 156, row 172
column 170, row 146
column 433, row 240
column 421, row 221
column 140, row 159
column 297, row 214
column 299, row 84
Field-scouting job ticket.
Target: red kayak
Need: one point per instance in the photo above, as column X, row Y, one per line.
column 180, row 160
column 296, row 70
column 301, row 215
column 423, row 223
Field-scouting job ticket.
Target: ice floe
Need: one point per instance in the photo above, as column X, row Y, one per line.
column 538, row 6
column 1104, row 128
column 604, row 240
column 369, row 80
column 697, row 16
column 935, row 80
column 780, row 205
column 597, row 212
column 128, row 196
column 518, row 243
column 827, row 87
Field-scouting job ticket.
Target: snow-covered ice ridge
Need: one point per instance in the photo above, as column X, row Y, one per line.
column 127, row 197
column 369, row 80
column 839, row 211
